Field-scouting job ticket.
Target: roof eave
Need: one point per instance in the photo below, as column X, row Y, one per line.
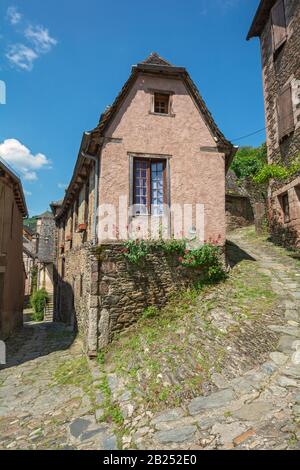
column 22, row 206
column 169, row 69
column 260, row 18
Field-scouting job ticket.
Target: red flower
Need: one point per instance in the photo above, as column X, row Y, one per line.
column 180, row 259
column 186, row 251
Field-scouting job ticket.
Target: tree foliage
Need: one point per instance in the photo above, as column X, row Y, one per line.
column 38, row 301
column 249, row 161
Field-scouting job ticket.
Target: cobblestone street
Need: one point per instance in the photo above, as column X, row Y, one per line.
column 47, row 398
column 50, row 396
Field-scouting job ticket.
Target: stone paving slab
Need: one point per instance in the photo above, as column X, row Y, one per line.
column 36, row 413
column 259, row 409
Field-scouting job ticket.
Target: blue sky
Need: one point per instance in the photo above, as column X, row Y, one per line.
column 64, row 61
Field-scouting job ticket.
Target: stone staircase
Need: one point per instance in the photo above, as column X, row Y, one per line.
column 48, row 314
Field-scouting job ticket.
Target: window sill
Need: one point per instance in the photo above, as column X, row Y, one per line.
column 163, row 114
column 147, row 215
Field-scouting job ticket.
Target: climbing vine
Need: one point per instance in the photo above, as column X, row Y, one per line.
column 277, row 172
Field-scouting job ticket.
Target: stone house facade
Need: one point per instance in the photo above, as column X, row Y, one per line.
column 29, row 259
column 39, row 253
column 155, row 151
column 12, row 274
column 277, row 24
column 45, row 250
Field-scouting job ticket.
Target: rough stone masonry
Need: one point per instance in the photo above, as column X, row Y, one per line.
column 109, row 293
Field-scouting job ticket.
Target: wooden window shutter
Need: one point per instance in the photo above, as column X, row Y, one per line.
column 278, row 24
column 285, row 112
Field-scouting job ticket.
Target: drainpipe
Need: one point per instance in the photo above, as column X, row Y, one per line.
column 96, row 188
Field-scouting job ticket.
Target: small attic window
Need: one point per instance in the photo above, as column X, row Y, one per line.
column 161, row 103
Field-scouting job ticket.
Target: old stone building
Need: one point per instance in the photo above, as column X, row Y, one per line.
column 156, row 159
column 277, row 24
column 29, row 259
column 39, row 253
column 12, row 274
column 239, row 211
column 45, row 250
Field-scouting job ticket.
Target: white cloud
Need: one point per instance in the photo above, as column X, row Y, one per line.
column 62, row 185
column 21, row 56
column 27, row 193
column 21, row 158
column 36, row 40
column 13, row 15
column 40, row 38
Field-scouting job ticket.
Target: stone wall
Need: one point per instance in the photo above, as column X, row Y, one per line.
column 72, row 287
column 239, row 212
column 279, row 69
column 103, row 293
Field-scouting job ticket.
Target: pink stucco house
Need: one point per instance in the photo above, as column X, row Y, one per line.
column 156, row 160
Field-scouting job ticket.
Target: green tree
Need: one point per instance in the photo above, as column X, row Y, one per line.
column 249, row 161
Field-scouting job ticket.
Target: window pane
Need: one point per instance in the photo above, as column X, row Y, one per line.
column 157, row 188
column 140, row 190
column 161, row 103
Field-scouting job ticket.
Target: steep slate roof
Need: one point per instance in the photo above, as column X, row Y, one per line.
column 261, row 17
column 45, row 215
column 17, row 187
column 157, row 65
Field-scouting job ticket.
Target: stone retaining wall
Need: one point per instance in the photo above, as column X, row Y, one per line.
column 104, row 293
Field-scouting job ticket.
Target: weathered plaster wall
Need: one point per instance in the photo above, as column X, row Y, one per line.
column 12, row 275
column 195, row 176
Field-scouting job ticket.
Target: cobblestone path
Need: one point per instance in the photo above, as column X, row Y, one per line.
column 259, row 409
column 51, row 396
column 47, row 398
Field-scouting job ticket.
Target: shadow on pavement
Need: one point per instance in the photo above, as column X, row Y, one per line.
column 235, row 254
column 36, row 340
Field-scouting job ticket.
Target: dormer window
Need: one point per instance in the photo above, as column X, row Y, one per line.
column 161, row 103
